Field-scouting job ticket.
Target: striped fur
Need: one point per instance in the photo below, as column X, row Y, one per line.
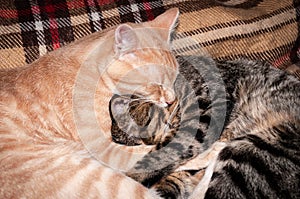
column 50, row 146
column 257, row 155
column 179, row 136
column 136, row 121
column 139, row 122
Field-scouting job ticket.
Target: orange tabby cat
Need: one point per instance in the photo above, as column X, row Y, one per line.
column 54, row 118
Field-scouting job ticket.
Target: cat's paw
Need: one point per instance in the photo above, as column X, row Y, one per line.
column 202, row 160
column 176, row 185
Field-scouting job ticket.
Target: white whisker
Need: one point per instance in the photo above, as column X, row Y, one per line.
column 172, row 115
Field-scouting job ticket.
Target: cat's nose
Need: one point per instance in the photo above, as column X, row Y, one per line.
column 170, row 102
column 169, row 96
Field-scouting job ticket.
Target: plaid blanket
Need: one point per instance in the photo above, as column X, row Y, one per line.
column 257, row 29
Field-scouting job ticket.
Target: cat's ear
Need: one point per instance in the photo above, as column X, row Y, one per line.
column 125, row 39
column 168, row 21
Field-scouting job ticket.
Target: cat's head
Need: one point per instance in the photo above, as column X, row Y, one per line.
column 136, row 121
column 144, row 65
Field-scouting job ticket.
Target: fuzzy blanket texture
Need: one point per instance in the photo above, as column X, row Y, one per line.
column 257, row 29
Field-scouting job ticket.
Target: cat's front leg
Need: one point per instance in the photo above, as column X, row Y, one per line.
column 163, row 161
column 182, row 183
column 177, row 185
column 202, row 160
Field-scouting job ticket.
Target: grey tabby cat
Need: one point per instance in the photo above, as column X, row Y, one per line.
column 198, row 116
column 257, row 116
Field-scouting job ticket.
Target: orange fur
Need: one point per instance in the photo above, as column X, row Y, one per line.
column 48, row 142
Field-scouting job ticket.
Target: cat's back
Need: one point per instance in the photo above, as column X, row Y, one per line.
column 8, row 77
column 263, row 86
column 257, row 76
column 261, row 159
column 266, row 101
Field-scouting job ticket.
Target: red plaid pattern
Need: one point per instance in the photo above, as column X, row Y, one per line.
column 40, row 26
column 31, row 28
